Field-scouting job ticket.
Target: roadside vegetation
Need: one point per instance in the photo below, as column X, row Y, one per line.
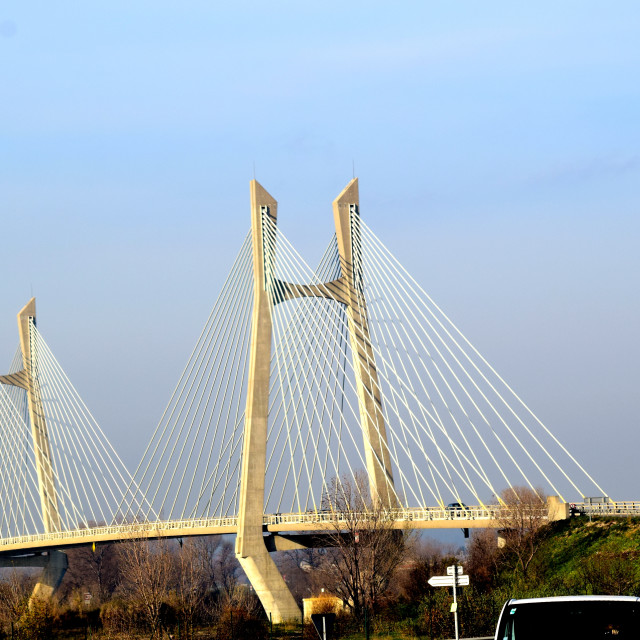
column 192, row 589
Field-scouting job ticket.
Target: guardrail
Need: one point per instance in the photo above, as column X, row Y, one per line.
column 324, row 519
column 116, row 531
column 408, row 515
column 619, row 508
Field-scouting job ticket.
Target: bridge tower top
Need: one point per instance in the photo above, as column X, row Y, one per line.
column 27, row 379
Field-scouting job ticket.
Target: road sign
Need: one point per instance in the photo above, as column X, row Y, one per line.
column 452, row 580
column 323, row 622
column 447, row 581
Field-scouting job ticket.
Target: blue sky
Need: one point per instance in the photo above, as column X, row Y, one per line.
column 497, row 146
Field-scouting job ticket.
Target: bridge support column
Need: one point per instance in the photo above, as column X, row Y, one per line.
column 251, row 551
column 557, row 509
column 347, row 222
column 269, row 585
column 54, row 565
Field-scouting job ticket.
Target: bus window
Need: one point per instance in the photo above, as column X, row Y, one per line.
column 586, row 619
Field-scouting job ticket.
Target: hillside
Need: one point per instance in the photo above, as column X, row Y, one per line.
column 571, row 557
column 602, row 556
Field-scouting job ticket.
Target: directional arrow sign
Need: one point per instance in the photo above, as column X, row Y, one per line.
column 447, row 581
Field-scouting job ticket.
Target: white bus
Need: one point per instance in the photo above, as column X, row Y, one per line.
column 569, row 618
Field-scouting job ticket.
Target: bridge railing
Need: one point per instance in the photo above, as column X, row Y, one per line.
column 326, row 517
column 620, row 508
column 323, row 519
column 124, row 530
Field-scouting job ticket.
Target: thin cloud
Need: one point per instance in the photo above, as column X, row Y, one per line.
column 407, row 51
column 588, row 170
column 8, row 29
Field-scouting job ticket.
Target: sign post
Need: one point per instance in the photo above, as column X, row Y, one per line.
column 323, row 622
column 454, row 578
column 455, row 601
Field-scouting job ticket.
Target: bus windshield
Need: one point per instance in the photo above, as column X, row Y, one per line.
column 583, row 619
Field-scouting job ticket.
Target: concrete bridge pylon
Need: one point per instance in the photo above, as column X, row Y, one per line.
column 251, row 551
column 55, row 563
column 347, row 290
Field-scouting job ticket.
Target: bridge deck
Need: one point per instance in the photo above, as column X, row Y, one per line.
column 427, row 518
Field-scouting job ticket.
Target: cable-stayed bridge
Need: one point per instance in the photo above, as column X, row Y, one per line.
column 302, row 380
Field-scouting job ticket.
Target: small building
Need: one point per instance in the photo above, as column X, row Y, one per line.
column 324, row 603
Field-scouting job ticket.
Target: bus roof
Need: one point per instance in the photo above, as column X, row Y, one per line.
column 575, row 599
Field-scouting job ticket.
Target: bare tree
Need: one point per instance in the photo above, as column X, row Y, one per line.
column 522, row 519
column 212, row 563
column 366, row 548
column 147, row 571
column 301, row 568
column 191, row 582
column 226, row 569
column 239, row 614
column 427, row 558
column 219, row 563
column 482, row 557
column 15, row 589
column 94, row 569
